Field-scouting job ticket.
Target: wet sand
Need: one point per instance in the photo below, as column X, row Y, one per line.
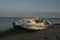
column 52, row 33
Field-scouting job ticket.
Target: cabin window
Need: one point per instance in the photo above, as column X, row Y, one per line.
column 28, row 21
column 37, row 21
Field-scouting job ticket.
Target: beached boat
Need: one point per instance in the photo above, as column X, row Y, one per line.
column 34, row 23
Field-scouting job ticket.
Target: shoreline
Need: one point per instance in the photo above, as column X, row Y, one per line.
column 13, row 34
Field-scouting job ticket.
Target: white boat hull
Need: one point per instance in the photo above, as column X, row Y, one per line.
column 33, row 26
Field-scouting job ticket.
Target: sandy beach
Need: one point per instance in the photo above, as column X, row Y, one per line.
column 52, row 33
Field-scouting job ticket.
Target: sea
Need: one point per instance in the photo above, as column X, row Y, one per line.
column 6, row 22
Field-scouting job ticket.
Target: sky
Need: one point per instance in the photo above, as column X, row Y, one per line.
column 17, row 8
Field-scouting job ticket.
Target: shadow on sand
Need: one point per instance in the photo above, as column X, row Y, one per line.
column 14, row 32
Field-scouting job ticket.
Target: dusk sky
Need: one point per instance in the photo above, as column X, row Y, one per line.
column 17, row 8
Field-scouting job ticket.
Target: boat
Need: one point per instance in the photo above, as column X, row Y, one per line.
column 34, row 23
